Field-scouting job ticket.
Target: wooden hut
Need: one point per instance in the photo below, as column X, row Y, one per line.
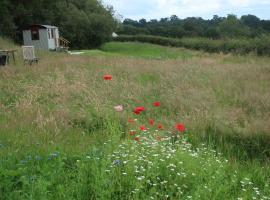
column 45, row 37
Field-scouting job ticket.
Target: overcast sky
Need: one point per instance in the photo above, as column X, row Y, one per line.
column 155, row 9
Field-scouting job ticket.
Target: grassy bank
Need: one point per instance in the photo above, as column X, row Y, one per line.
column 60, row 137
column 258, row 46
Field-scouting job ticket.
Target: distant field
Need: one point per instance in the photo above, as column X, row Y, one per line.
column 60, row 137
column 142, row 50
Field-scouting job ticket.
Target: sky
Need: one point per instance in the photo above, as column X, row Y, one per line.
column 156, row 9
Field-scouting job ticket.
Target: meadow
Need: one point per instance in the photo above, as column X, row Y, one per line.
column 61, row 138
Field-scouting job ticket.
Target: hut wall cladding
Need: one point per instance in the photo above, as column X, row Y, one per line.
column 42, row 43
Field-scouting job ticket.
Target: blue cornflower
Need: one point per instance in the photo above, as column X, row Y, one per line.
column 38, row 157
column 117, row 162
column 54, row 155
column 23, row 162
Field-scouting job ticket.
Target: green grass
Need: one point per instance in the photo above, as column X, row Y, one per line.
column 60, row 137
column 6, row 44
column 144, row 50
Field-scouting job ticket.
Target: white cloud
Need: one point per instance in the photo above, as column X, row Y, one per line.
column 151, row 9
column 239, row 3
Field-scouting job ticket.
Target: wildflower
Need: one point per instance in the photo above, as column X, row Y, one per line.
column 38, row 157
column 151, row 122
column 118, row 108
column 140, row 178
column 159, row 126
column 54, row 155
column 131, row 120
column 107, row 77
column 117, row 162
column 23, row 161
column 138, row 110
column 142, row 128
column 136, row 139
column 132, row 133
column 156, row 104
column 180, row 127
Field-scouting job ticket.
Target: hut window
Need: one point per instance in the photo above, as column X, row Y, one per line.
column 35, row 34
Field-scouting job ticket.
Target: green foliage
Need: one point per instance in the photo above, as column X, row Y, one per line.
column 85, row 23
column 217, row 27
column 147, row 170
column 260, row 46
column 232, row 28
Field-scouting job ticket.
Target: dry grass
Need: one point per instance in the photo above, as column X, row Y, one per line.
column 228, row 93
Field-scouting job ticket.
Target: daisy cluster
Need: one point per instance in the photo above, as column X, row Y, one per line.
column 171, row 168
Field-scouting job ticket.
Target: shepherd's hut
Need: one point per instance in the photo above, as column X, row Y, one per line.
column 44, row 37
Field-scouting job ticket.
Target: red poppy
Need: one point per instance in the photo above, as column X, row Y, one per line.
column 151, row 122
column 137, row 139
column 159, row 126
column 180, row 127
column 138, row 110
column 107, row 77
column 130, row 120
column 142, row 128
column 156, row 104
column 132, row 133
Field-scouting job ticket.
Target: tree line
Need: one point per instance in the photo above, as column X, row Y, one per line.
column 247, row 26
column 85, row 23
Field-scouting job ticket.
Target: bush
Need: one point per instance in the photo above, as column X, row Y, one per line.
column 260, row 46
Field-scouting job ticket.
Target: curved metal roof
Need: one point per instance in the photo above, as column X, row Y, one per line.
column 40, row 26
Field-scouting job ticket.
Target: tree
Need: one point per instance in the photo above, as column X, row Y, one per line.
column 232, row 27
column 142, row 22
column 217, row 27
column 86, row 23
column 194, row 26
column 250, row 20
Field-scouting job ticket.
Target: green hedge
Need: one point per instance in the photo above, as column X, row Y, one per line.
column 260, row 46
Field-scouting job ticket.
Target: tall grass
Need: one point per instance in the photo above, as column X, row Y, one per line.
column 6, row 43
column 61, row 139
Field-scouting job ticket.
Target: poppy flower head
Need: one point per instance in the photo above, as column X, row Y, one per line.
column 138, row 110
column 107, row 77
column 136, row 139
column 142, row 128
column 156, row 104
column 151, row 122
column 159, row 126
column 180, row 127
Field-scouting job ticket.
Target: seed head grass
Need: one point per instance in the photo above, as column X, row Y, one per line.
column 60, row 137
